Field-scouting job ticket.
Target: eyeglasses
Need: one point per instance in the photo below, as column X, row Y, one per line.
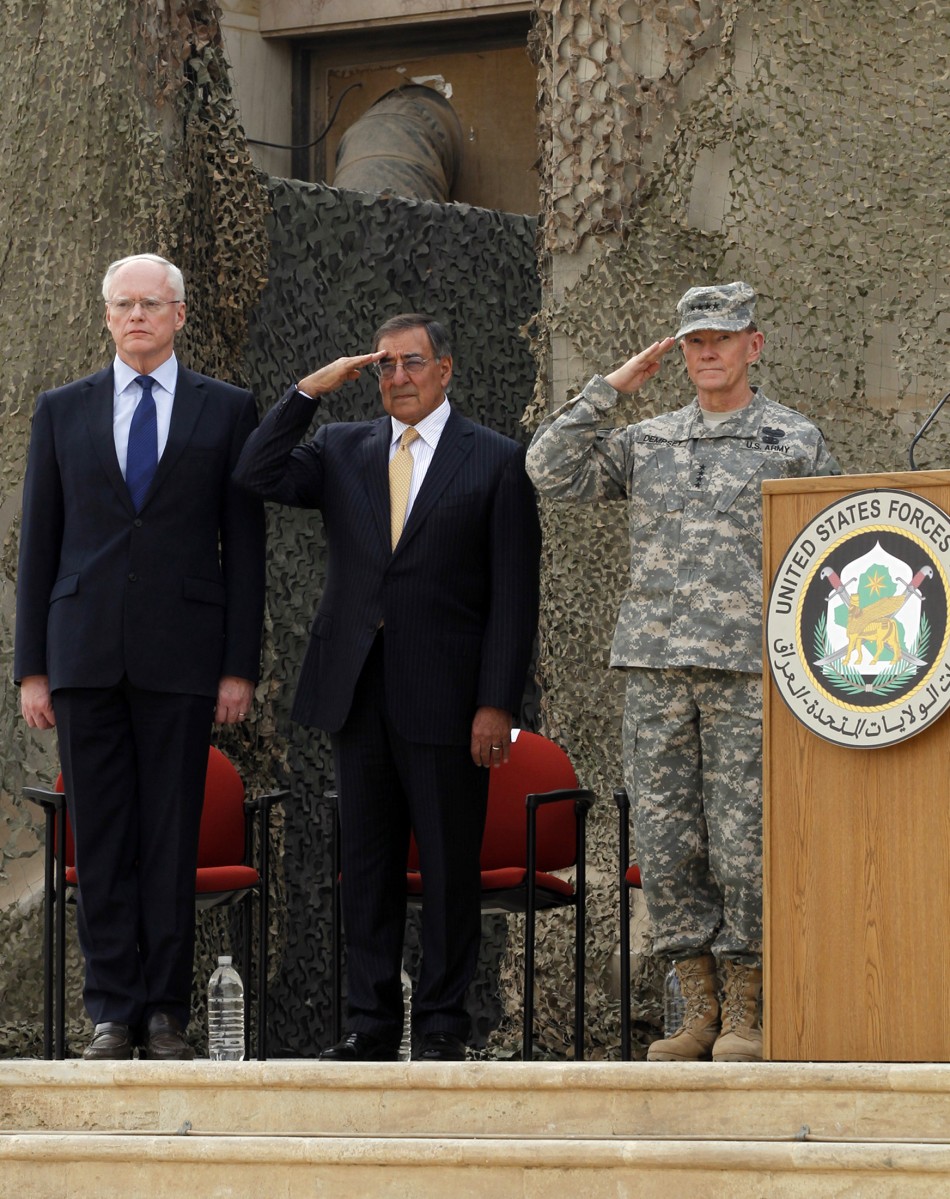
column 124, row 306
column 412, row 365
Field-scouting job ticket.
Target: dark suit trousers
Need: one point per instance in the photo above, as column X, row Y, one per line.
column 134, row 765
column 387, row 787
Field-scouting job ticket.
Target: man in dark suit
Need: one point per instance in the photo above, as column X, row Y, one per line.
column 140, row 596
column 417, row 660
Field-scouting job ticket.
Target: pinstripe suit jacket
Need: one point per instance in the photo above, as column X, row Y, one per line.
column 458, row 596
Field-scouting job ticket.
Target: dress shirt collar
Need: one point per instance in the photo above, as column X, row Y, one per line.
column 166, row 375
column 429, row 428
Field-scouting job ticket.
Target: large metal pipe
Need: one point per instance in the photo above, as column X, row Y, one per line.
column 409, row 143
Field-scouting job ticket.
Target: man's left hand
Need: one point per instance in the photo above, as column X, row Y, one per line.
column 235, row 697
column 491, row 737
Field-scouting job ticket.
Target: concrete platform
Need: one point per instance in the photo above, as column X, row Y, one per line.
column 475, row 1129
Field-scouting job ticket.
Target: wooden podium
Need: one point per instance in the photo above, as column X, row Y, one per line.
column 856, row 855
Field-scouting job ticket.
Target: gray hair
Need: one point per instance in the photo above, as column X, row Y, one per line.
column 174, row 276
column 438, row 337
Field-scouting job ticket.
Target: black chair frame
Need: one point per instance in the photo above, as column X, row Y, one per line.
column 622, row 800
column 57, row 893
column 527, row 899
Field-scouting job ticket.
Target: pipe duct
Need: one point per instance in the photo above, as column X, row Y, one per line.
column 409, row 143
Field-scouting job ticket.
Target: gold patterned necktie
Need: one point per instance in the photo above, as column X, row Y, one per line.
column 400, row 478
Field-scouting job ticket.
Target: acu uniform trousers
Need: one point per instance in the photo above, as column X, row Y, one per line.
column 693, row 767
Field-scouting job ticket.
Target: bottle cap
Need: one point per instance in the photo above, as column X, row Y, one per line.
column 224, row 959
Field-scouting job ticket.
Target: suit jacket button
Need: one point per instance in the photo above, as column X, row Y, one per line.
column 137, row 522
column 133, row 577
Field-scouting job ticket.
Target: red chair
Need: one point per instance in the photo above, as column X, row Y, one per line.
column 226, row 875
column 629, row 878
column 536, row 824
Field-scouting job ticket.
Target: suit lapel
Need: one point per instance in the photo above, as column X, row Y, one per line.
column 99, row 401
column 375, row 472
column 455, row 444
column 189, row 400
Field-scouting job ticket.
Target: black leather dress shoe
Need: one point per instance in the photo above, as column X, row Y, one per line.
column 361, row 1047
column 111, row 1042
column 165, row 1040
column 440, row 1047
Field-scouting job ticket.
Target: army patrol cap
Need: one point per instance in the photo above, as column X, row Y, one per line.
column 727, row 306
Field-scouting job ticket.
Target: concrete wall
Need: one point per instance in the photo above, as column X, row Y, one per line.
column 261, row 75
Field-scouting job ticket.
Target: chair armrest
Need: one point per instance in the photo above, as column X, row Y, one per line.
column 260, row 806
column 582, row 799
column 51, row 801
column 581, row 795
column 622, row 800
column 53, row 804
column 264, row 802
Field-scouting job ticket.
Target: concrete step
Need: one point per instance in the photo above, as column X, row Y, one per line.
column 130, row 1165
column 474, row 1129
column 637, row 1099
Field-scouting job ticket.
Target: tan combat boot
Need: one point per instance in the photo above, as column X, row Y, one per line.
column 741, row 1037
column 696, row 1037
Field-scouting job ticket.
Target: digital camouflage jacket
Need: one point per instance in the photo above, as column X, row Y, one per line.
column 695, row 508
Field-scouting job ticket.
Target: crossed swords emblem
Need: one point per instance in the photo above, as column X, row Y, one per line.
column 875, row 621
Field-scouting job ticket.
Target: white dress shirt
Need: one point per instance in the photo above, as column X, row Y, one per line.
column 429, row 430
column 126, row 398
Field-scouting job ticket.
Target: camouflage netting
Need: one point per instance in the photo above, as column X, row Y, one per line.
column 341, row 262
column 800, row 146
column 117, row 135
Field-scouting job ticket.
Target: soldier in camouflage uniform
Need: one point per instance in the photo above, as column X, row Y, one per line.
column 689, row 636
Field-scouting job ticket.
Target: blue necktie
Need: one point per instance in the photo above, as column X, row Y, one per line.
column 142, row 457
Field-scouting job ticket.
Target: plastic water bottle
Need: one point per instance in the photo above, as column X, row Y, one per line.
column 225, row 1014
column 405, row 1045
column 674, row 1005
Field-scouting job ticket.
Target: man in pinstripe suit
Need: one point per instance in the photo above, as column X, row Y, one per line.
column 416, row 662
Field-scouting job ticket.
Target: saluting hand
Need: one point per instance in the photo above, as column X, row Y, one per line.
column 636, row 370
column 335, row 374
